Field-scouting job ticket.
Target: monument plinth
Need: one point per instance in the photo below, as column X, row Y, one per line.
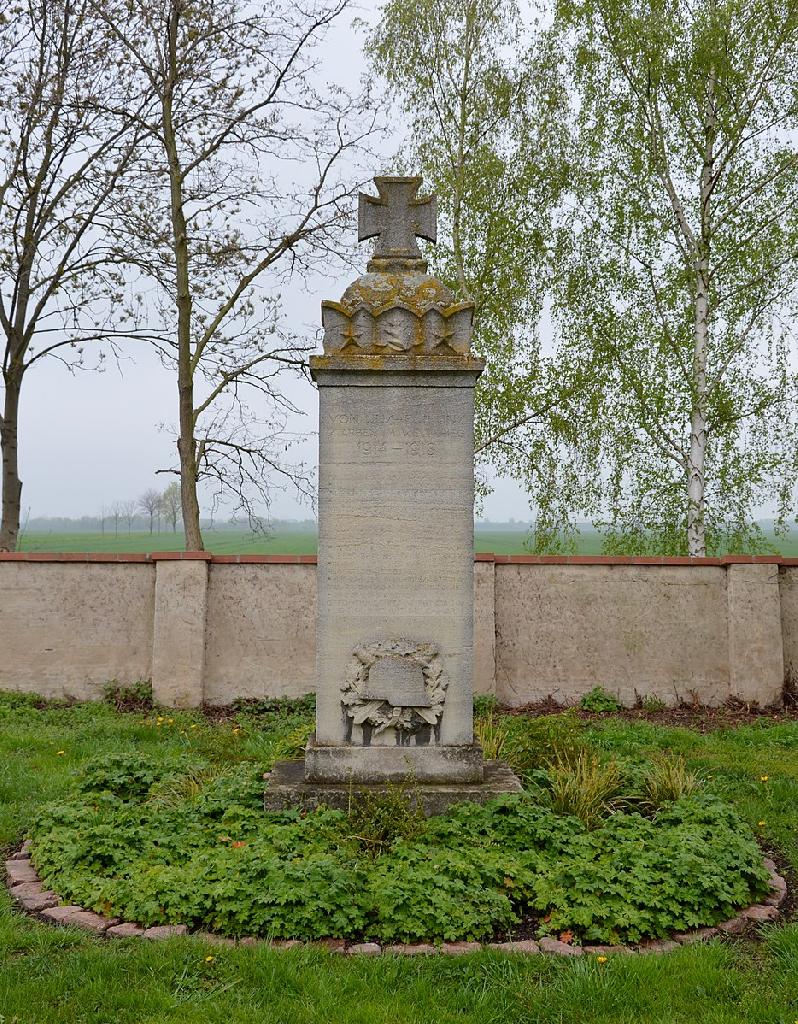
column 396, row 520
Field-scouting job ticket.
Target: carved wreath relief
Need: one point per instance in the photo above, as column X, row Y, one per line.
column 395, row 684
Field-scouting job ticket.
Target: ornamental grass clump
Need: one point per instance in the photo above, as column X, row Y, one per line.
column 668, row 778
column 584, row 787
column 378, row 819
column 291, row 747
column 175, row 790
column 491, row 733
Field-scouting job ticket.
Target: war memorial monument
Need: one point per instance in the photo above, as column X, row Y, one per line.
column 394, row 633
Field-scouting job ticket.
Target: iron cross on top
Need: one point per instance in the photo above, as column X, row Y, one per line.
column 396, row 218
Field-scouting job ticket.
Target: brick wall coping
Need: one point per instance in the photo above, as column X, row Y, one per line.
column 481, row 556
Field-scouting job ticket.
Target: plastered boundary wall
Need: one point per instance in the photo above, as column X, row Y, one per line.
column 213, row 628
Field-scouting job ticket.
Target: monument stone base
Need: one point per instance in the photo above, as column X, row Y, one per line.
column 395, row 763
column 288, row 788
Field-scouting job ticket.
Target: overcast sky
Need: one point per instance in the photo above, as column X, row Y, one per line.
column 90, row 439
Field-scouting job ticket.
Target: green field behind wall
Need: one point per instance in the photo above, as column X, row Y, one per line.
column 286, row 539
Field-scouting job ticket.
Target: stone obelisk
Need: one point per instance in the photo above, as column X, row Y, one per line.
column 396, row 520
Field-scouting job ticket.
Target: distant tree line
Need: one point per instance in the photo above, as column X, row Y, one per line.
column 129, row 517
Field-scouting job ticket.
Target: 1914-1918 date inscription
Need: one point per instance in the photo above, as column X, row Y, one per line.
column 382, row 448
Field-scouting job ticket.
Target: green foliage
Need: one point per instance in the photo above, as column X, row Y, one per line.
column 379, row 819
column 287, row 721
column 491, row 733
column 63, row 976
column 599, row 700
column 125, row 776
column 145, row 841
column 651, row 703
column 534, row 743
column 174, row 790
column 668, row 778
column 485, row 704
column 584, row 787
column 480, row 92
column 678, row 260
column 282, row 707
column 291, row 747
column 442, row 891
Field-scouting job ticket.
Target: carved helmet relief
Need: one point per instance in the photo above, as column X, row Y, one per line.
column 397, row 307
column 395, row 684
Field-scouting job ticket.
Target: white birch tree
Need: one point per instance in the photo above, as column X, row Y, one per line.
column 682, row 263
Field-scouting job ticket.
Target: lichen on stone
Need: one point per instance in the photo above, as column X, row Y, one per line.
column 416, row 292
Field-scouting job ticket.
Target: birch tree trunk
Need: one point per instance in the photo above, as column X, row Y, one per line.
column 696, row 532
column 459, row 167
column 696, row 537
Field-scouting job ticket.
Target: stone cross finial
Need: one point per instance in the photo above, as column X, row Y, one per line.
column 396, row 218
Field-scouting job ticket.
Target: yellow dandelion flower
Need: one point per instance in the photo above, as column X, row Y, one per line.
column 209, row 959
column 764, row 778
column 170, row 721
column 601, row 959
column 60, row 753
column 195, row 726
column 761, row 824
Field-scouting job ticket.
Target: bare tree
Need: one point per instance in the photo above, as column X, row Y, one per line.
column 128, row 510
column 242, row 189
column 116, row 515
column 61, row 159
column 150, row 504
column 171, row 504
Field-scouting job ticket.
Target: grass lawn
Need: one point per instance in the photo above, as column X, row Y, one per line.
column 286, row 540
column 60, row 976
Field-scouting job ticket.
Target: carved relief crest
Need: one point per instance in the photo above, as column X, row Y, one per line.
column 395, row 684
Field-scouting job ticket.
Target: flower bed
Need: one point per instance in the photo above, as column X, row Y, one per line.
column 179, row 843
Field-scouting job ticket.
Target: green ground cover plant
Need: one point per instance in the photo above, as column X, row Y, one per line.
column 599, row 700
column 63, row 975
column 603, row 851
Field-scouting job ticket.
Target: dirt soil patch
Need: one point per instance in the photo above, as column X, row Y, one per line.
column 690, row 716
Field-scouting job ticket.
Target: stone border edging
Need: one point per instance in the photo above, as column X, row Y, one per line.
column 25, row 889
